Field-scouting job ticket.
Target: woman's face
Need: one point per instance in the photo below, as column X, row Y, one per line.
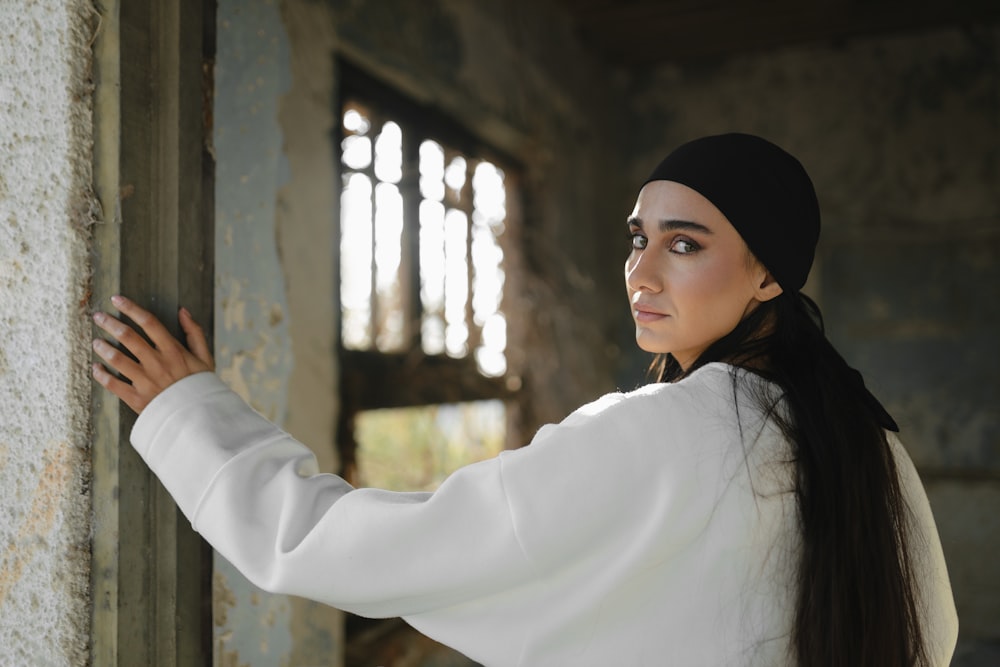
column 690, row 277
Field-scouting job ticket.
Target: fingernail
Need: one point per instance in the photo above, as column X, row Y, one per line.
column 185, row 311
column 117, row 300
column 99, row 317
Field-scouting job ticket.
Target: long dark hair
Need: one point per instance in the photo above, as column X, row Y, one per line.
column 856, row 602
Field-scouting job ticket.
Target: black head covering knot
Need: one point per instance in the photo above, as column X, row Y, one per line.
column 763, row 191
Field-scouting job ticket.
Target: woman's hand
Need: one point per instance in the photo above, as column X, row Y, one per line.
column 156, row 366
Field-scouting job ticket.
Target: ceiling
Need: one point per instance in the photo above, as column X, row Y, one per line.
column 634, row 33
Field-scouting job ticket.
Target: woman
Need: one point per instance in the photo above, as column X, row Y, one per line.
column 747, row 509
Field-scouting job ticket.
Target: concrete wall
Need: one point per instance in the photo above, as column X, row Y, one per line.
column 902, row 138
column 45, row 210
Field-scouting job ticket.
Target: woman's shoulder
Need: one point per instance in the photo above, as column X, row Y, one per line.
column 707, row 393
column 713, row 383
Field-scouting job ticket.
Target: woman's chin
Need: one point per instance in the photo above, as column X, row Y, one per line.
column 646, row 343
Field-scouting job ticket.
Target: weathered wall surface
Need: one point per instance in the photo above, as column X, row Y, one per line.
column 275, row 315
column 252, row 346
column 45, row 166
column 902, row 138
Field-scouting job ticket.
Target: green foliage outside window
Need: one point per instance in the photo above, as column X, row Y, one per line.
column 415, row 449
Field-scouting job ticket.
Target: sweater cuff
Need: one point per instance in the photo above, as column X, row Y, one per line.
column 186, row 391
column 181, row 435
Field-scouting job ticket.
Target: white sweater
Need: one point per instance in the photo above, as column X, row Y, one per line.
column 642, row 530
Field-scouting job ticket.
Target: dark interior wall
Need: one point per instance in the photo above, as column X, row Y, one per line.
column 902, row 138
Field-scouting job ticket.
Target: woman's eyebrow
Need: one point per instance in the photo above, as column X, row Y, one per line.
column 672, row 225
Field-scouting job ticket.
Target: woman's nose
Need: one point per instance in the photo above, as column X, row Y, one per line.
column 640, row 274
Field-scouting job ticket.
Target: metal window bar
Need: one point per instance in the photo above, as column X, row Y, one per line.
column 408, row 274
column 409, row 263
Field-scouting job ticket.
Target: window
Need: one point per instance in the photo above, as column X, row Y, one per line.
column 423, row 216
column 439, row 439
column 421, row 263
column 421, row 277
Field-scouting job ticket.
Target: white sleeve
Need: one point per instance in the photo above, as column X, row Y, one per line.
column 254, row 493
column 939, row 618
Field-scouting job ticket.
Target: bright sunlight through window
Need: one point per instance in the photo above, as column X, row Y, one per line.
column 451, row 302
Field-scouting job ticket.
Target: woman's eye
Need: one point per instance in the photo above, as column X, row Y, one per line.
column 639, row 241
column 683, row 247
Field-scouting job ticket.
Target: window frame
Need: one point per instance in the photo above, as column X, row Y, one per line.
column 410, row 377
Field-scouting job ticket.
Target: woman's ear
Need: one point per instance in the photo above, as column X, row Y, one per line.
column 766, row 286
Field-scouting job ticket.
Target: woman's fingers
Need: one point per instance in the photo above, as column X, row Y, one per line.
column 117, row 360
column 196, row 340
column 146, row 321
column 155, row 366
column 145, row 374
column 127, row 336
column 123, row 390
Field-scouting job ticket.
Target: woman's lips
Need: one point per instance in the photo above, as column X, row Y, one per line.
column 643, row 315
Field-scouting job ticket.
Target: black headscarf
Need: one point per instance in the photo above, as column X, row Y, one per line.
column 764, row 192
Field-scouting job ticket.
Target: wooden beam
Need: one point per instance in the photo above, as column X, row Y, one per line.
column 405, row 380
column 151, row 572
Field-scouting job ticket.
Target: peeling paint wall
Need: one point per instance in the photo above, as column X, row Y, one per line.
column 252, row 344
column 275, row 308
column 45, row 210
column 902, row 137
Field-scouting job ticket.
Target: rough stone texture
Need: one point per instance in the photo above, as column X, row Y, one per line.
column 902, row 138
column 45, row 210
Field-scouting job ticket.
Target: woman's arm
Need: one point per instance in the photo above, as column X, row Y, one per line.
column 255, row 493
